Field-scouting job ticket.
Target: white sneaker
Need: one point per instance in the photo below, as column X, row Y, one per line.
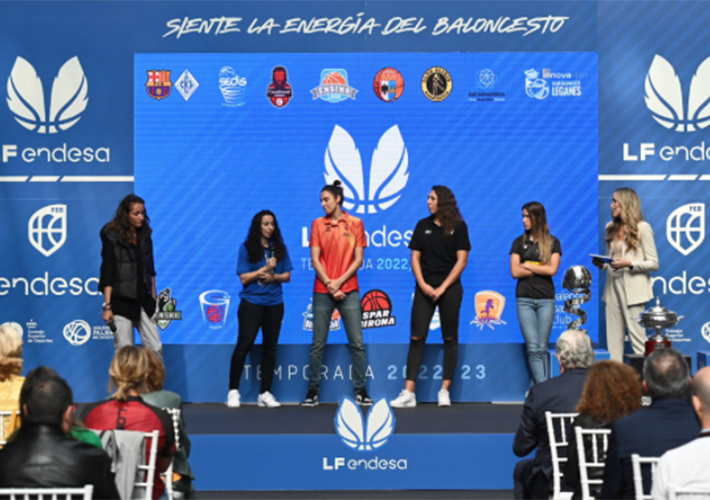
column 267, row 399
column 405, row 399
column 233, row 398
column 444, row 398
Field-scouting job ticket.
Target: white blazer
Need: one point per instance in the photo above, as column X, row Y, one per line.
column 637, row 282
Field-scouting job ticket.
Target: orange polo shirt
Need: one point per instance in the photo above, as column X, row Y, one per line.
column 337, row 242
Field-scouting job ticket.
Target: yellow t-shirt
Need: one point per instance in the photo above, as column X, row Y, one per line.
column 10, row 401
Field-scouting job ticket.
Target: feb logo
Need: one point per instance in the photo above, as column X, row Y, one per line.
column 664, row 96
column 25, row 97
column 362, row 435
column 685, row 227
column 77, row 332
column 489, row 309
column 47, row 229
column 388, row 173
column 279, row 91
column 377, row 310
column 334, row 86
column 215, row 307
column 158, row 85
column 535, row 87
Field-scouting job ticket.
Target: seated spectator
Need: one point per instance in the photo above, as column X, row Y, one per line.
column 685, row 467
column 10, row 379
column 559, row 395
column 612, row 391
column 44, row 456
column 125, row 410
column 668, row 423
column 157, row 396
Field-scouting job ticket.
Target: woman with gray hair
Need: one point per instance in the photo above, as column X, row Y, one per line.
column 10, row 379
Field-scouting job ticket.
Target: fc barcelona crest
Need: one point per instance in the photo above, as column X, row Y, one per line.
column 159, row 85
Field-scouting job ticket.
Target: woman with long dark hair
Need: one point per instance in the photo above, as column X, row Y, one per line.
column 440, row 247
column 128, row 275
column 263, row 265
column 534, row 260
column 630, row 244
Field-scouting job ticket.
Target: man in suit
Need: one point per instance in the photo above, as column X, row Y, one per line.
column 559, row 395
column 668, row 423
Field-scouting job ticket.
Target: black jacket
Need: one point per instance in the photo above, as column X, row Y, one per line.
column 43, row 456
column 119, row 266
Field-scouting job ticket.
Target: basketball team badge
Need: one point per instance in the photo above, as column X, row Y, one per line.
column 279, row 91
column 158, row 85
column 308, row 319
column 489, row 309
column 377, row 310
column 388, row 84
column 334, row 86
column 437, row 84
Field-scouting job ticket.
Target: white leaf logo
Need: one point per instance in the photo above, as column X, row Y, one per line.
column 350, row 425
column 685, row 227
column 25, row 96
column 664, row 96
column 388, row 173
column 47, row 229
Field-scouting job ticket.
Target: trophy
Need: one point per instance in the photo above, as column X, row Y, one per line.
column 657, row 318
column 578, row 280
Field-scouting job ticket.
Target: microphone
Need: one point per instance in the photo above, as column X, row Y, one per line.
column 112, row 325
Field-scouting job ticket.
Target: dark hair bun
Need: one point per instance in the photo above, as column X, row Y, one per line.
column 337, row 183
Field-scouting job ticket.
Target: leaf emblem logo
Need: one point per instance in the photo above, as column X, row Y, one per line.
column 47, row 229
column 685, row 227
column 25, row 97
column 358, row 435
column 388, row 175
column 664, row 96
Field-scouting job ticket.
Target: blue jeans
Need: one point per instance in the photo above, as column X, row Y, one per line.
column 351, row 315
column 536, row 317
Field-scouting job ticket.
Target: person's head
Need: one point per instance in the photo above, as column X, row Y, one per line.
column 48, row 401
column 156, row 372
column 132, row 218
column 574, row 350
column 128, row 371
column 666, row 374
column 701, row 396
column 264, row 226
column 535, row 223
column 612, row 390
column 626, row 205
column 442, row 205
column 10, row 352
column 332, row 197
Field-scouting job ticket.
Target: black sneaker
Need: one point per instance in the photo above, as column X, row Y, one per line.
column 362, row 398
column 311, row 398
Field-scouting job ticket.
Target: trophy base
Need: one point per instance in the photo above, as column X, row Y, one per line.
column 656, row 343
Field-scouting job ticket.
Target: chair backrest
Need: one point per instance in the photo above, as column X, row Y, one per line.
column 636, row 462
column 599, row 440
column 149, row 467
column 47, row 493
column 689, row 493
column 561, row 421
column 8, row 423
column 175, row 413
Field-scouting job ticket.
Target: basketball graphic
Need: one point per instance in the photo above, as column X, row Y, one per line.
column 215, row 314
column 334, row 78
column 377, row 310
column 334, row 86
column 376, row 300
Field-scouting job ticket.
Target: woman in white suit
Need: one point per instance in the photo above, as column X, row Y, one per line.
column 629, row 242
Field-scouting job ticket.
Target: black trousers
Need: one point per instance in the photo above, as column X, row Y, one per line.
column 252, row 318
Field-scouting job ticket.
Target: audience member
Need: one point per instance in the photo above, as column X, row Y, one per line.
column 668, row 423
column 685, row 467
column 10, row 379
column 612, row 391
column 125, row 410
column 44, row 456
column 559, row 395
column 157, row 396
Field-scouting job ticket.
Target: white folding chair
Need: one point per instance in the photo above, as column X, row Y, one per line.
column 47, row 493
column 636, row 462
column 599, row 443
column 6, row 424
column 149, row 468
column 564, row 422
column 689, row 493
column 175, row 413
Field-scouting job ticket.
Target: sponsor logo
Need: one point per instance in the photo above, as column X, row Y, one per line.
column 44, row 286
column 279, row 91
column 489, row 309
column 35, row 334
column 535, row 87
column 377, row 310
column 186, row 85
column 215, row 307
column 664, row 96
column 486, row 81
column 17, row 327
column 685, row 227
column 388, row 173
column 158, row 85
column 437, row 84
column 334, row 86
column 77, row 333
column 388, row 84
column 705, row 331
column 559, row 85
column 47, row 229
column 233, row 87
column 308, row 319
column 486, row 78
column 25, row 97
column 167, row 309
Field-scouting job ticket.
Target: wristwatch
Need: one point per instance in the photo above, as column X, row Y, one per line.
column 631, row 267
column 106, row 305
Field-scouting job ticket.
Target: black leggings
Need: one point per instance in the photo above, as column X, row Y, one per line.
column 422, row 312
column 251, row 318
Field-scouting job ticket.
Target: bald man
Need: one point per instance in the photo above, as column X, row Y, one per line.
column 686, row 467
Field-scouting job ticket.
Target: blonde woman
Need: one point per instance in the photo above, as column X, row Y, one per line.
column 10, row 379
column 630, row 245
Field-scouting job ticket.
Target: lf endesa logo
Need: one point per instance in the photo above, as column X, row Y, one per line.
column 67, row 102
